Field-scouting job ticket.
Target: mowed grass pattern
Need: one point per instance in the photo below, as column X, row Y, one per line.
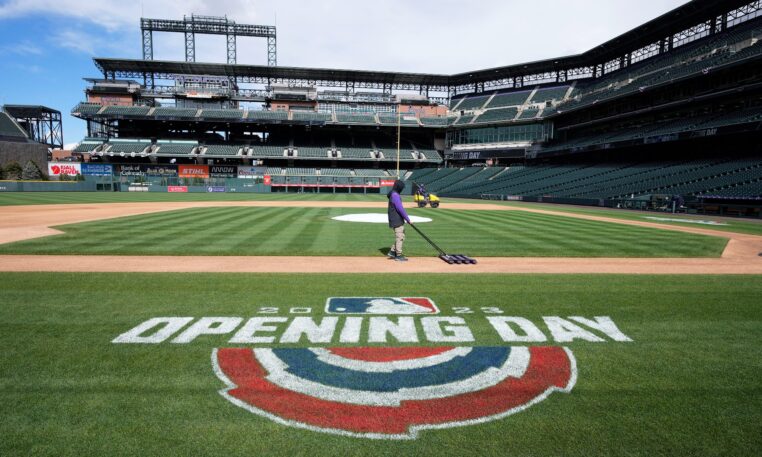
column 688, row 384
column 59, row 198
column 311, row 231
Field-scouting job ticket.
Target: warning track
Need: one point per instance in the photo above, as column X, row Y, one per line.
column 19, row 223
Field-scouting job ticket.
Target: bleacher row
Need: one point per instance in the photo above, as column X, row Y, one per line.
column 729, row 178
column 9, row 127
column 333, row 172
column 145, row 148
column 687, row 60
column 662, row 128
column 90, row 109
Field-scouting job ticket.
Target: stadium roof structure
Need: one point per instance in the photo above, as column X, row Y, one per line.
column 43, row 124
column 695, row 19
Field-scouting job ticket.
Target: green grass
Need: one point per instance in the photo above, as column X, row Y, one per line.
column 60, row 198
column 48, row 198
column 689, row 384
column 311, row 231
column 734, row 225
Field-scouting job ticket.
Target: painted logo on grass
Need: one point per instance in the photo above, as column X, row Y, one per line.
column 391, row 393
column 380, row 305
column 402, row 366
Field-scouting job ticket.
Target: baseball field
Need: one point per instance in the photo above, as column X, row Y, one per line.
column 238, row 325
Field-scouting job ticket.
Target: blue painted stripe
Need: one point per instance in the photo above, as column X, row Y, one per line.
column 305, row 364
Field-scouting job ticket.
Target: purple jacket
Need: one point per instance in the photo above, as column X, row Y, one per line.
column 396, row 211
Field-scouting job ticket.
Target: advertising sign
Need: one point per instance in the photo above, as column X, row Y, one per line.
column 131, row 170
column 215, row 189
column 177, row 189
column 250, row 172
column 223, row 171
column 387, row 182
column 193, row 171
column 64, row 168
column 160, row 170
column 97, row 169
column 268, row 180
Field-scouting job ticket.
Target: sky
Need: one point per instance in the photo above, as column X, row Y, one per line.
column 47, row 46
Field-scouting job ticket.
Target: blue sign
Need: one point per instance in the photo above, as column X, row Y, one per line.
column 215, row 189
column 97, row 169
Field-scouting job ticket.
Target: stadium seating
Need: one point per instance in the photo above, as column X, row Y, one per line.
column 529, row 113
column 466, row 119
column 495, row 115
column 596, row 181
column 265, row 151
column 368, row 173
column 127, row 146
column 311, row 116
column 232, row 114
column 393, row 119
column 509, row 99
column 126, row 110
column 182, row 113
column 471, row 103
column 222, row 150
column 301, row 172
column 87, row 109
column 355, row 153
column 335, row 172
column 184, row 148
column 306, row 151
column 9, row 127
column 356, row 118
column 267, row 115
column 549, row 93
column 435, row 121
column 88, row 145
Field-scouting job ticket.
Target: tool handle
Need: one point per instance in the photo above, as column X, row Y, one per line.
column 427, row 239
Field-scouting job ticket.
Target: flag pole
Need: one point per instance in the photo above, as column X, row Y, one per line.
column 399, row 130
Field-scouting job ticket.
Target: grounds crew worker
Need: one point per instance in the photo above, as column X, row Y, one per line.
column 397, row 218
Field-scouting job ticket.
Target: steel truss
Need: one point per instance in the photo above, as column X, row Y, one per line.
column 208, row 25
column 591, row 65
column 43, row 124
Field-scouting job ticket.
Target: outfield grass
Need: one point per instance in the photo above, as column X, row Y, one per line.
column 735, row 225
column 311, row 231
column 41, row 198
column 689, row 383
column 63, row 198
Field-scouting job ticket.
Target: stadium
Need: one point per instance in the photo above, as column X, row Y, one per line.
column 208, row 270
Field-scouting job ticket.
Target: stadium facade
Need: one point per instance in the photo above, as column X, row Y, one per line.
column 671, row 108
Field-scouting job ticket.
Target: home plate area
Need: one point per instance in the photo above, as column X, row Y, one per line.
column 390, row 392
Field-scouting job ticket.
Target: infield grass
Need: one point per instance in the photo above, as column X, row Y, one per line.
column 311, row 231
column 689, row 384
column 735, row 225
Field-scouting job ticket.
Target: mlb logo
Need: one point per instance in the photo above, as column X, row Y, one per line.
column 381, row 305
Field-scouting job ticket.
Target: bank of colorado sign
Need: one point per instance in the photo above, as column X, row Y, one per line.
column 384, row 367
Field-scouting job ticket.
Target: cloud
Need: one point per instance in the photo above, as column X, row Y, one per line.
column 23, row 48
column 431, row 36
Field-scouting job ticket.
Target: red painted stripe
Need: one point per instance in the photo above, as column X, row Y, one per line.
column 549, row 366
column 376, row 354
column 425, row 302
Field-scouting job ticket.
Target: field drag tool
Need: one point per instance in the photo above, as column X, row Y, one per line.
column 449, row 258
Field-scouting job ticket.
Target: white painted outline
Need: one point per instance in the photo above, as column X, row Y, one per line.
column 414, row 430
column 329, row 358
column 436, row 308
